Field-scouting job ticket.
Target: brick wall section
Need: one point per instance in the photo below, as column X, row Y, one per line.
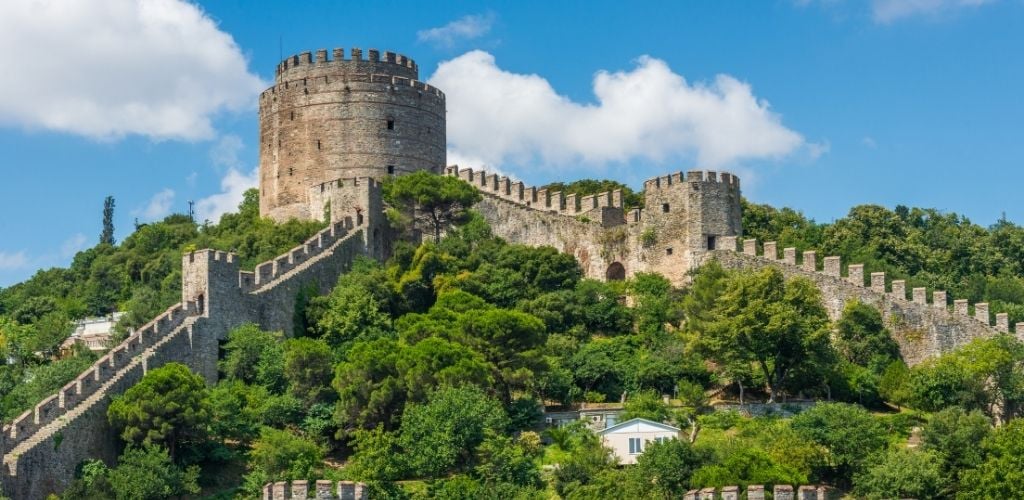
column 327, row 117
column 43, row 446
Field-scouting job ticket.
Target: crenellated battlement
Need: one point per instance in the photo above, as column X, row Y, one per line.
column 757, row 492
column 537, row 199
column 952, row 322
column 678, row 179
column 322, row 489
column 305, row 85
column 97, row 375
column 336, row 57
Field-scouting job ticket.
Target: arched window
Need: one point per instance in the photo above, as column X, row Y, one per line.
column 616, row 272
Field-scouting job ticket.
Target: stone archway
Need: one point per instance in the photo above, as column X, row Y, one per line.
column 616, row 272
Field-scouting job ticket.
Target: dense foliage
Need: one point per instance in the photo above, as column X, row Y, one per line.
column 425, row 377
column 140, row 276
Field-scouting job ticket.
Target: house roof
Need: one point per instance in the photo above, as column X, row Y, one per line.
column 621, row 425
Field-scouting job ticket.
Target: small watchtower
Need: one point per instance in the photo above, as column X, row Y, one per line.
column 334, row 115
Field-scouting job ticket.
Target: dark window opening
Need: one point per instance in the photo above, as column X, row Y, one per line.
column 664, row 207
column 292, row 115
column 668, row 251
column 391, row 123
column 291, row 170
column 318, row 144
column 711, row 242
column 391, row 170
column 616, row 272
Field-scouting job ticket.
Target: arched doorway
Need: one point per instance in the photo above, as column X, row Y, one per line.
column 616, row 272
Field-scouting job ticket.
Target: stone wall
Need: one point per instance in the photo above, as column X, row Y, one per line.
column 44, row 446
column 682, row 215
column 321, row 490
column 921, row 329
column 332, row 117
column 757, row 492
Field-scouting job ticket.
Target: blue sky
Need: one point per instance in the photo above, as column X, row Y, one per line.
column 818, row 104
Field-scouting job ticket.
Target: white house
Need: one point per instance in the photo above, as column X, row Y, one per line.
column 629, row 439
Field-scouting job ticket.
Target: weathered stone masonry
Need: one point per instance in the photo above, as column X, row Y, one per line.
column 683, row 216
column 328, row 117
column 43, row 446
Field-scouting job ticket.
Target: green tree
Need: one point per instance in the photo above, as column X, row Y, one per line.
column 237, row 410
column 664, row 469
column 902, row 473
column 438, row 201
column 502, row 459
column 444, row 433
column 378, row 456
column 777, row 325
column 510, row 341
column 148, row 473
column 861, row 336
column 254, row 356
column 282, row 455
column 848, row 433
column 308, row 368
column 646, row 404
column 1001, row 472
column 107, row 235
column 169, row 406
column 954, row 434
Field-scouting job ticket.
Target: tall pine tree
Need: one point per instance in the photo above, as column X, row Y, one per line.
column 107, row 236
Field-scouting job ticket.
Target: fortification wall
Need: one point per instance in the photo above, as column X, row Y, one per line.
column 682, row 215
column 327, row 119
column 322, row 489
column 43, row 446
column 922, row 329
column 757, row 492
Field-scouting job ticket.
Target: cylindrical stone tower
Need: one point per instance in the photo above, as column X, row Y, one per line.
column 329, row 118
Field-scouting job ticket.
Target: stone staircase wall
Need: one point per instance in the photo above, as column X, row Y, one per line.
column 44, row 446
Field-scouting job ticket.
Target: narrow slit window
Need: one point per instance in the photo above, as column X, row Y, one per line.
column 292, row 115
column 664, row 207
column 391, row 123
column 391, row 170
column 318, row 144
column 711, row 242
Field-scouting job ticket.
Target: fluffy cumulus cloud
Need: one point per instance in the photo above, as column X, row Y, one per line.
column 158, row 207
column 649, row 112
column 887, row 11
column 232, row 188
column 109, row 68
column 464, row 28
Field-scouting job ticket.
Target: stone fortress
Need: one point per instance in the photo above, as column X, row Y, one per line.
column 331, row 129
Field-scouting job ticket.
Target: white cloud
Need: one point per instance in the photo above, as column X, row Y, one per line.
column 869, row 142
column 464, row 28
column 12, row 261
column 649, row 113
column 887, row 11
column 158, row 206
column 109, row 68
column 233, row 187
column 224, row 154
column 73, row 245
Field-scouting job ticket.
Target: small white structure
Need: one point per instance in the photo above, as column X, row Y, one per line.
column 630, row 438
column 93, row 332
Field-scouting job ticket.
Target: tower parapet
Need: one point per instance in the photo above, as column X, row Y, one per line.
column 330, row 117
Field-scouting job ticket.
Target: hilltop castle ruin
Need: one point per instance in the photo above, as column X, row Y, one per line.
column 330, row 130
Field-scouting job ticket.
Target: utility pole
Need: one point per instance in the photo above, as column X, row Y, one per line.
column 192, row 211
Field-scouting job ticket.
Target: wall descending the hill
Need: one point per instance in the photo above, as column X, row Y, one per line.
column 44, row 446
